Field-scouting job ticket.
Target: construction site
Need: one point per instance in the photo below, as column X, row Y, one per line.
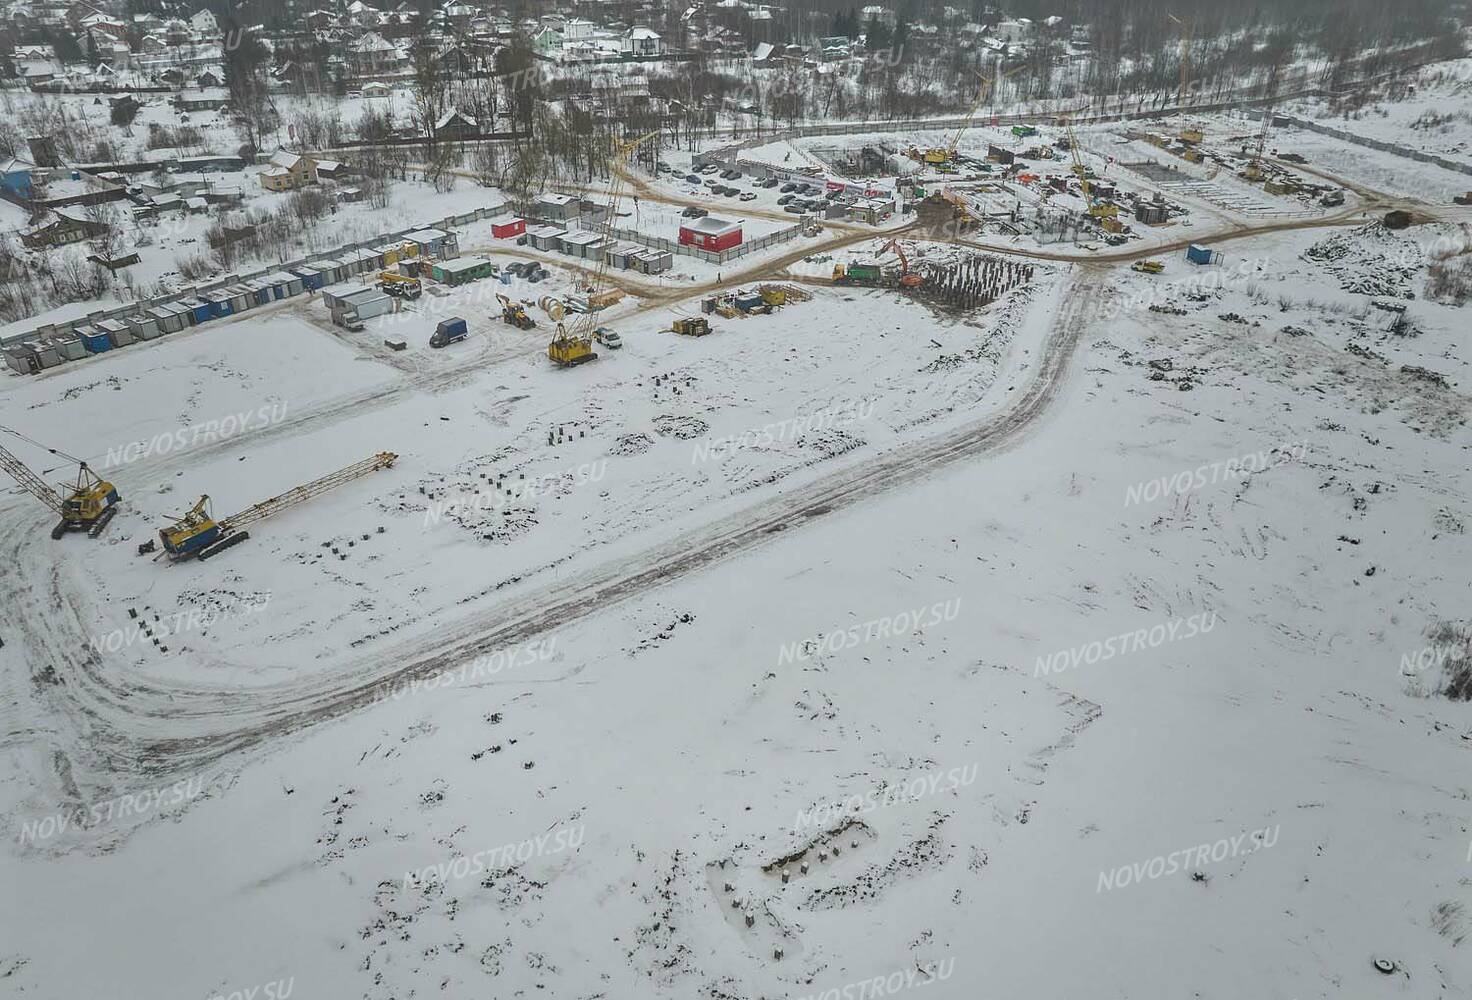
column 634, row 588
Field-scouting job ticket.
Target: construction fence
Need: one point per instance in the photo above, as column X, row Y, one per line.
column 682, row 249
column 1387, row 147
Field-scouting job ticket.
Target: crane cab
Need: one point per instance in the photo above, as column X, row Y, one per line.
column 89, row 503
column 192, row 532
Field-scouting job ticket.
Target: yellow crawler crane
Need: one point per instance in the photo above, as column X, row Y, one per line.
column 89, row 505
column 199, row 534
column 575, row 346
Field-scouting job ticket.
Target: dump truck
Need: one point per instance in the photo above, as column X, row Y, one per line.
column 695, row 326
column 1147, row 266
column 448, row 332
column 857, row 273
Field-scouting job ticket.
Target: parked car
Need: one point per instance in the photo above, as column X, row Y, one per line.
column 788, row 187
column 608, row 338
column 748, row 196
column 709, row 168
column 729, row 192
column 712, row 183
column 794, row 209
column 785, row 199
column 694, row 213
column 693, row 178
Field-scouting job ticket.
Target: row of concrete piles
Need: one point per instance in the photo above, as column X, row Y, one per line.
column 976, row 280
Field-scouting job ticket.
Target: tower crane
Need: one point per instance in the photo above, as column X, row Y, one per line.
column 90, row 502
column 1254, row 170
column 938, row 155
column 199, row 533
column 575, row 346
column 1097, row 209
column 1189, row 135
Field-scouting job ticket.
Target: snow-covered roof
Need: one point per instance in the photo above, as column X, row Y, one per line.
column 285, row 159
column 711, row 225
column 373, row 42
column 452, row 115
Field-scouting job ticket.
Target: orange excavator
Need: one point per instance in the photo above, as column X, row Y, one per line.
column 908, row 278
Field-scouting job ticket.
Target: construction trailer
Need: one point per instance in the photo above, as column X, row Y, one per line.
column 69, row 346
column 711, row 234
column 198, row 533
column 462, row 270
column 1198, row 254
column 168, row 318
column 311, row 278
column 357, row 304
column 546, row 237
column 94, row 340
column 437, row 243
column 652, row 261
column 507, row 227
column 118, row 332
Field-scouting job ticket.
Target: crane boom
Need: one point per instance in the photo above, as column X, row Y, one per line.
column 198, row 533
column 298, row 494
column 29, row 481
column 575, row 346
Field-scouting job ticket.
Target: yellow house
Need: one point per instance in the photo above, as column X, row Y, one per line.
column 288, row 171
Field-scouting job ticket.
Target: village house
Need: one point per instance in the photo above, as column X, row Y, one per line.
column 60, row 227
column 288, row 171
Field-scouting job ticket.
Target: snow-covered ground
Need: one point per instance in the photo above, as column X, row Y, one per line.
column 1089, row 644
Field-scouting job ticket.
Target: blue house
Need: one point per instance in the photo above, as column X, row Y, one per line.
column 15, row 177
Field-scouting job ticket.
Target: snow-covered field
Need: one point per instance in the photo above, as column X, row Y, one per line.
column 1093, row 643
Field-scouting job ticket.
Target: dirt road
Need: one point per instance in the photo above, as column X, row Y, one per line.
column 158, row 731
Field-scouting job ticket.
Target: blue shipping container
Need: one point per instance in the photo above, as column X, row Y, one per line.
column 96, row 343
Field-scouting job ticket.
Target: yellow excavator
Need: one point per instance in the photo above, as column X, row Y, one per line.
column 515, row 314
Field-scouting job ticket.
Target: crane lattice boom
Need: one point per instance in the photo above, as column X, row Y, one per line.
column 296, row 495
column 29, row 481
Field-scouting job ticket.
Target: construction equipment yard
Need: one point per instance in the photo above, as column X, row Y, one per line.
column 772, row 623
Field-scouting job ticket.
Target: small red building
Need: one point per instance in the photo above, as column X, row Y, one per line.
column 711, row 234
column 507, row 227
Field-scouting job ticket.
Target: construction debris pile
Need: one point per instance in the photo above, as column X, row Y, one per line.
column 1370, row 260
